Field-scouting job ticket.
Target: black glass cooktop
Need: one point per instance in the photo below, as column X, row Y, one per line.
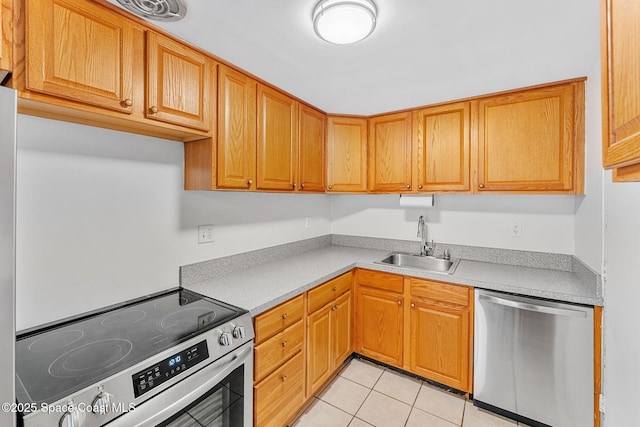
column 53, row 362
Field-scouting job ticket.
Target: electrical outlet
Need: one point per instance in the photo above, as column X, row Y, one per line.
column 515, row 229
column 307, row 222
column 205, row 234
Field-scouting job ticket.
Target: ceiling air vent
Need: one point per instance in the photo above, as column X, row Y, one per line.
column 160, row 10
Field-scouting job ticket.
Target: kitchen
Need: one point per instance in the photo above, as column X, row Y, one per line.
column 114, row 203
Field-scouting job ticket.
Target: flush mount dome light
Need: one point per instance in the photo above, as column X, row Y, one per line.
column 159, row 10
column 344, row 21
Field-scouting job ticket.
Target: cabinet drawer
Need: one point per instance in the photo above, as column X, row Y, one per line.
column 271, row 353
column 323, row 294
column 441, row 292
column 278, row 318
column 376, row 279
column 279, row 395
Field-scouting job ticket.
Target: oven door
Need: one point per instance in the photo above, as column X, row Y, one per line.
column 220, row 394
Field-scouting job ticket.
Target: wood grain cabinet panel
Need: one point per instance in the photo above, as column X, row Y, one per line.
column 180, row 84
column 278, row 318
column 346, row 154
column 80, row 51
column 442, row 140
column 277, row 140
column 277, row 349
column 311, row 150
column 236, row 149
column 531, row 141
column 319, row 358
column 390, row 157
column 6, row 35
column 620, row 61
column 341, row 329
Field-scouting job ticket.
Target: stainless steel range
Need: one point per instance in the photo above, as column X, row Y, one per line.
column 175, row 358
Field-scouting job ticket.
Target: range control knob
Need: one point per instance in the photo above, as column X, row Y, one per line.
column 225, row 338
column 102, row 403
column 72, row 418
column 238, row 331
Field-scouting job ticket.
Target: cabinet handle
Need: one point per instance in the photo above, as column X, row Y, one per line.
column 284, row 316
column 302, row 185
column 153, row 109
column 330, row 187
column 127, row 102
column 334, row 308
column 250, row 183
column 399, row 302
column 420, row 187
column 293, row 185
column 481, row 185
column 334, row 289
column 284, row 378
column 413, row 305
column 408, row 186
column 284, row 343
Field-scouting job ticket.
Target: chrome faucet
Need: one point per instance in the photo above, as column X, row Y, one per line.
column 422, row 233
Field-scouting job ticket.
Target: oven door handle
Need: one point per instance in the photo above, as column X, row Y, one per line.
column 164, row 405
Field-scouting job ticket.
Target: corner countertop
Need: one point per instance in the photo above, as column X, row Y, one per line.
column 264, row 286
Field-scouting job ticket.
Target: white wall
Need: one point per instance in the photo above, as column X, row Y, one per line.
column 478, row 220
column 102, row 218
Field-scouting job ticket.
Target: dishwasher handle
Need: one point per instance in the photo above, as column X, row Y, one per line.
column 533, row 307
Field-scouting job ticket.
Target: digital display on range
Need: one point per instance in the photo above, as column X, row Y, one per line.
column 170, row 367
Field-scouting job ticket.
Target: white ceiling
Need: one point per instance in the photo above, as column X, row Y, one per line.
column 421, row 52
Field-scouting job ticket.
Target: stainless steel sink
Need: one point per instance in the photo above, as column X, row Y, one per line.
column 420, row 262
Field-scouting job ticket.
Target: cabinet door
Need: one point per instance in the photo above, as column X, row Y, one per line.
column 80, row 51
column 311, row 158
column 379, row 325
column 440, row 344
column 179, row 84
column 319, row 358
column 277, row 140
column 341, row 326
column 390, row 157
column 347, row 154
column 443, row 147
column 620, row 82
column 6, row 35
column 527, row 140
column 236, row 130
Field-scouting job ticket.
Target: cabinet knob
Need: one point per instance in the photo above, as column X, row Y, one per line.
column 153, row 109
column 399, row 302
column 420, row 187
column 302, row 185
column 334, row 308
column 284, row 378
column 330, row 187
column 127, row 102
column 334, row 289
column 249, row 183
column 408, row 186
column 293, row 185
column 413, row 305
column 481, row 185
column 284, row 343
column 284, row 316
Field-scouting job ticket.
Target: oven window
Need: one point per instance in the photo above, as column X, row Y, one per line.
column 222, row 406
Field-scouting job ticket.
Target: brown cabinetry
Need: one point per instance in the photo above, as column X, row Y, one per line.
column 443, row 148
column 180, row 84
column 328, row 329
column 277, row 140
column 6, row 36
column 441, row 332
column 379, row 316
column 279, row 363
column 236, row 147
column 620, row 34
column 346, row 154
column 532, row 141
column 311, row 149
column 390, row 155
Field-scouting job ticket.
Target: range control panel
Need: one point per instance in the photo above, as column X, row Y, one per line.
column 170, row 367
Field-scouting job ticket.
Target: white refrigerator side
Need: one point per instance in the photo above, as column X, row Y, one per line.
column 8, row 118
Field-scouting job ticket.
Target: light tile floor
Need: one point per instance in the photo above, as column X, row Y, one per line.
column 365, row 394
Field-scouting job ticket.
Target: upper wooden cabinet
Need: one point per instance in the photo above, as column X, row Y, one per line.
column 443, row 150
column 311, row 149
column 346, row 154
column 390, row 159
column 236, row 148
column 620, row 61
column 82, row 52
column 532, row 141
column 277, row 140
column 6, row 36
column 180, row 84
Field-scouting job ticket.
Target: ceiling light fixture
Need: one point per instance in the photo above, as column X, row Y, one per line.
column 344, row 21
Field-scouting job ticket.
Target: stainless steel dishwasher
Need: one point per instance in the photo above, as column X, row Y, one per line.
column 533, row 359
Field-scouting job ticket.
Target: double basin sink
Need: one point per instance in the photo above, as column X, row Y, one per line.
column 420, row 262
